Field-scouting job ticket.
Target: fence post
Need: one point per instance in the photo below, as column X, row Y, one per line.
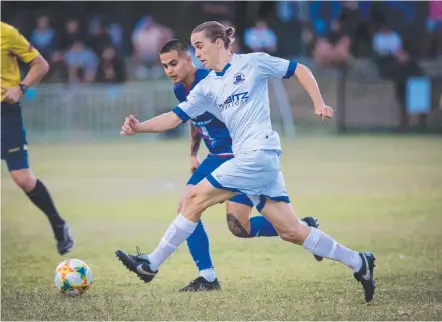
column 341, row 100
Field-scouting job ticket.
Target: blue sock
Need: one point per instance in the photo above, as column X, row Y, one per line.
column 198, row 244
column 261, row 227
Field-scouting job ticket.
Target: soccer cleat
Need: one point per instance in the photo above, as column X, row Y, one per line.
column 64, row 240
column 139, row 264
column 313, row 222
column 200, row 284
column 365, row 275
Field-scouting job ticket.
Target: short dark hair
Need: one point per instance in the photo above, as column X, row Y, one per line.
column 214, row 30
column 174, row 44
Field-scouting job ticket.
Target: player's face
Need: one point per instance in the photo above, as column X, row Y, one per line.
column 177, row 66
column 205, row 50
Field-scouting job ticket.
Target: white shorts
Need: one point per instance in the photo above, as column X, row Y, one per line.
column 255, row 173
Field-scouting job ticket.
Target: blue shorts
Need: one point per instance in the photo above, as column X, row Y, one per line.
column 209, row 165
column 14, row 144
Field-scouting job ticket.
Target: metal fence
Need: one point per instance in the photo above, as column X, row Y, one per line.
column 95, row 112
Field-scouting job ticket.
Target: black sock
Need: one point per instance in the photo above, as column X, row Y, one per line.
column 42, row 199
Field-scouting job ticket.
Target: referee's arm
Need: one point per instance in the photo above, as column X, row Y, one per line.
column 39, row 67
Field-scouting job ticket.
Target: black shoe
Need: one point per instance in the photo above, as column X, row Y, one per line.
column 313, row 222
column 64, row 240
column 200, row 284
column 138, row 264
column 365, row 275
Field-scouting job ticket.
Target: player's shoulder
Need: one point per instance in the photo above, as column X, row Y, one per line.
column 208, row 77
column 180, row 91
column 201, row 73
column 7, row 30
column 253, row 57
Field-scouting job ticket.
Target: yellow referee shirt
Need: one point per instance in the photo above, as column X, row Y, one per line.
column 13, row 45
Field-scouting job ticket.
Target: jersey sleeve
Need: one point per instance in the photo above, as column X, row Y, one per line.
column 271, row 66
column 195, row 104
column 21, row 47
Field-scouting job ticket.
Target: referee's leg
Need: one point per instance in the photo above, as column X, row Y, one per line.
column 15, row 153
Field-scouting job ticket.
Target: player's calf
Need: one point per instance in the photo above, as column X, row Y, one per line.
column 40, row 197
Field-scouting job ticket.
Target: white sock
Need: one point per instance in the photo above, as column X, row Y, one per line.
column 208, row 274
column 323, row 245
column 302, row 222
column 177, row 233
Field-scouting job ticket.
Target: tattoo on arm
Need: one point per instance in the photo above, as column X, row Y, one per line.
column 195, row 140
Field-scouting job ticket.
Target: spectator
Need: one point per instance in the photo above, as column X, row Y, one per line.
column 82, row 63
column 322, row 13
column 395, row 64
column 434, row 26
column 71, row 34
column 295, row 34
column 98, row 37
column 111, row 67
column 58, row 73
column 333, row 50
column 261, row 38
column 147, row 39
column 43, row 37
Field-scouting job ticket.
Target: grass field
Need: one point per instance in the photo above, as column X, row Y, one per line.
column 381, row 193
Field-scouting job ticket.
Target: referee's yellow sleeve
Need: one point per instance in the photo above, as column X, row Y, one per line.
column 21, row 47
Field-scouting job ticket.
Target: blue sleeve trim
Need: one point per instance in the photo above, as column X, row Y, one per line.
column 181, row 114
column 290, row 70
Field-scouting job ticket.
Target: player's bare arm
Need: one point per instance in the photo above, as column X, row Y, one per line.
column 39, row 67
column 158, row 124
column 195, row 142
column 308, row 81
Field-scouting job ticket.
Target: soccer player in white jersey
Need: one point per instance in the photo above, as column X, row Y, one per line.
column 236, row 91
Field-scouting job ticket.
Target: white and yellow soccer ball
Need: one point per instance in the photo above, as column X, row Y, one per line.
column 73, row 277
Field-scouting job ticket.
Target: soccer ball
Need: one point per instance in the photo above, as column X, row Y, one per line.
column 73, row 277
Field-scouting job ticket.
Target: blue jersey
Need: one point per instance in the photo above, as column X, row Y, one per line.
column 212, row 130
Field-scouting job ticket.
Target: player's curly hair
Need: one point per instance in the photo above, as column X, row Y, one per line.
column 215, row 30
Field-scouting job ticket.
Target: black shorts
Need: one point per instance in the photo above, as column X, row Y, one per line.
column 14, row 144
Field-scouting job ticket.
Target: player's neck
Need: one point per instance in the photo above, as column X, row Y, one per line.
column 190, row 79
column 223, row 61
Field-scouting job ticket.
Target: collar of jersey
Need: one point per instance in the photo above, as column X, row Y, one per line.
column 221, row 73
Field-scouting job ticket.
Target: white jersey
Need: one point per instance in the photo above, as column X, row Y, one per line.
column 239, row 96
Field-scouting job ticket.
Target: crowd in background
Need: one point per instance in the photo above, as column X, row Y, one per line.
column 101, row 49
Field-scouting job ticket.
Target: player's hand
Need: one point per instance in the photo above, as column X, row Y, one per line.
column 12, row 94
column 324, row 111
column 194, row 163
column 129, row 124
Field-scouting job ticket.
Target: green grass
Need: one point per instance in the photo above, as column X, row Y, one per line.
column 382, row 194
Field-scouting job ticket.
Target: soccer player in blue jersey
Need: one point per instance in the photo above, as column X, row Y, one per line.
column 178, row 67
column 236, row 92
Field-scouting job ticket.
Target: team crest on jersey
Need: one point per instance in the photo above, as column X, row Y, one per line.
column 239, row 78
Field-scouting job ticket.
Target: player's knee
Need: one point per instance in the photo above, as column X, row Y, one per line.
column 292, row 234
column 235, row 227
column 194, row 201
column 25, row 179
